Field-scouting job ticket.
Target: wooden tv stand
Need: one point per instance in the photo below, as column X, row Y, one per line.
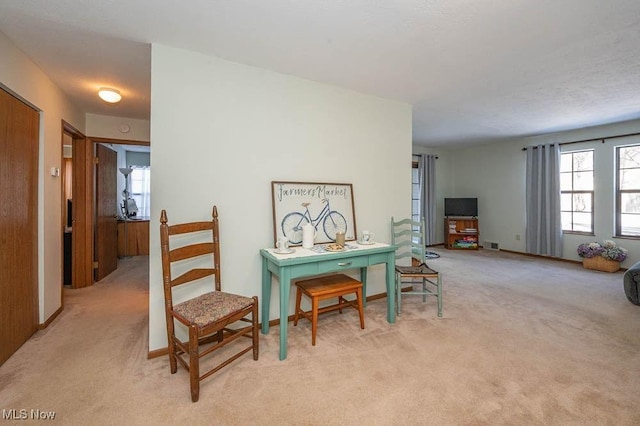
column 461, row 233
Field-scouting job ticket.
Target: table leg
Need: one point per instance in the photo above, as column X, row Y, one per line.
column 285, row 284
column 363, row 278
column 391, row 291
column 266, row 296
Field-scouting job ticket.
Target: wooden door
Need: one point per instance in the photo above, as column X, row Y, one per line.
column 82, row 230
column 19, row 126
column 106, row 241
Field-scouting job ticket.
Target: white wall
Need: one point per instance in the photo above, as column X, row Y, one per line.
column 138, row 158
column 495, row 173
column 223, row 131
column 118, row 128
column 105, row 126
column 27, row 81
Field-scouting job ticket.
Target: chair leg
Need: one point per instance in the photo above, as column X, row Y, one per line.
column 360, row 309
column 398, row 291
column 194, row 367
column 314, row 320
column 439, row 290
column 173, row 362
column 424, row 290
column 298, row 301
column 255, row 330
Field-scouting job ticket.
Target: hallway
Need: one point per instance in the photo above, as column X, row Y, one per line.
column 65, row 368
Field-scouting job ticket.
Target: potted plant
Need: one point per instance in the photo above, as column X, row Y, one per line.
column 605, row 256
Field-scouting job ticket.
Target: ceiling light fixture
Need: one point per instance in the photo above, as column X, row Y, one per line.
column 110, row 95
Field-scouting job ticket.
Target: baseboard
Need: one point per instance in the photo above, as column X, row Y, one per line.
column 50, row 319
column 540, row 256
column 158, row 353
column 165, row 351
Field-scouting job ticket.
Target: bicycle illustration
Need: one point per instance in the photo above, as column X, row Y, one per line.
column 332, row 222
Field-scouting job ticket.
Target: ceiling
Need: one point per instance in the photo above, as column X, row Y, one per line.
column 474, row 71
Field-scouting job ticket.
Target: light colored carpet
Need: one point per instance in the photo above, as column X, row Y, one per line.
column 522, row 341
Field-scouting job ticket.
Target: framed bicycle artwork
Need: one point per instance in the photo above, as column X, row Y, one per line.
column 327, row 206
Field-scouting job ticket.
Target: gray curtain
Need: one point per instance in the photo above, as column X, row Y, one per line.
column 544, row 225
column 427, row 174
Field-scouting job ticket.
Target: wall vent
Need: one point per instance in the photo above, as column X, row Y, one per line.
column 489, row 245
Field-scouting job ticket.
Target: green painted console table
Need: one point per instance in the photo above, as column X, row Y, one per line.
column 306, row 262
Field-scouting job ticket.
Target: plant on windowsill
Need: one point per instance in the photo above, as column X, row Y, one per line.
column 605, row 256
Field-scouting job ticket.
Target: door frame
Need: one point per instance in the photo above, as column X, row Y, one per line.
column 81, row 234
column 84, row 221
column 92, row 141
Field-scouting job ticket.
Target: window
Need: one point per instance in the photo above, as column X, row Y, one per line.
column 415, row 191
column 628, row 191
column 576, row 186
column 141, row 189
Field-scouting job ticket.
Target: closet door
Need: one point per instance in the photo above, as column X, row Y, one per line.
column 19, row 125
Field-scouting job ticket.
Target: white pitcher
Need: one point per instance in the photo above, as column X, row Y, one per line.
column 308, row 235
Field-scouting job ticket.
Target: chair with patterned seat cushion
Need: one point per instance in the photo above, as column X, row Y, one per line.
column 190, row 255
column 409, row 236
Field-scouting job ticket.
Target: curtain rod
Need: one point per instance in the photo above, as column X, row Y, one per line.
column 594, row 139
column 415, row 163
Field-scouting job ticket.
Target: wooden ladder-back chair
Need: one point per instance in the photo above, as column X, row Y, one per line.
column 409, row 236
column 208, row 315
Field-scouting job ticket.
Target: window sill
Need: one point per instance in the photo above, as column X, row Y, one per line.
column 627, row 237
column 590, row 234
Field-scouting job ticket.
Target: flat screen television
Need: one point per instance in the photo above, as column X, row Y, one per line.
column 461, row 207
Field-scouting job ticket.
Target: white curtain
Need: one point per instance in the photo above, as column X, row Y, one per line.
column 141, row 189
column 544, row 225
column 427, row 175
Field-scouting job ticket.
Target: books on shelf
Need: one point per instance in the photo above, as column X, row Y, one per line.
column 466, row 242
column 463, row 231
column 468, row 239
column 453, row 229
column 466, row 246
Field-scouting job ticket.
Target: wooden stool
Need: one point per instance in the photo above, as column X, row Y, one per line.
column 328, row 287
